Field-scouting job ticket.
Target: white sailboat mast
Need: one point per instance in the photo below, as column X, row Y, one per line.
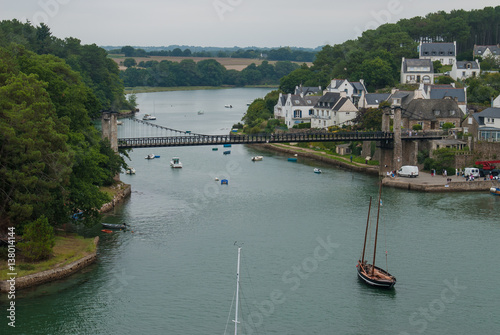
column 237, row 294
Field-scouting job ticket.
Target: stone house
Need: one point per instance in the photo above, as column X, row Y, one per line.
column 416, row 71
column 333, row 109
column 462, row 70
column 446, row 53
column 446, row 92
column 431, row 114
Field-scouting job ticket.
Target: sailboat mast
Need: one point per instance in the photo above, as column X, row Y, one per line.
column 366, row 231
column 237, row 293
column 376, row 229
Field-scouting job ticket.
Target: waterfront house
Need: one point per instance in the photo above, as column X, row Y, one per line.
column 462, row 70
column 431, row 114
column 305, row 91
column 279, row 108
column 416, row 71
column 485, row 125
column 333, row 109
column 446, row 53
column 446, row 92
column 487, row 51
column 296, row 108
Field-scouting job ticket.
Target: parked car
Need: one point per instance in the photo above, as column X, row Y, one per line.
column 408, row 171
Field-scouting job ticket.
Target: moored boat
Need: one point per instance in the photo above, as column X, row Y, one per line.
column 495, row 190
column 130, row 170
column 150, row 156
column 175, row 163
column 114, row 225
column 316, row 170
column 257, row 158
column 227, row 152
column 148, row 117
column 369, row 273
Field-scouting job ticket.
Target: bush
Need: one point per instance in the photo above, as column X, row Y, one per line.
column 38, row 239
column 416, row 127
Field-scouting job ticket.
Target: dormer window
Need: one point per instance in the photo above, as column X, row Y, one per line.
column 297, row 102
column 437, row 112
column 452, row 112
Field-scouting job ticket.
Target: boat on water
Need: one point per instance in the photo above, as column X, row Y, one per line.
column 227, row 152
column 106, row 231
column 114, row 225
column 369, row 273
column 175, row 163
column 495, row 190
column 292, row 159
column 130, row 170
column 119, row 123
column 148, row 117
column 257, row 158
column 228, row 106
column 150, row 156
column 201, row 112
column 316, row 170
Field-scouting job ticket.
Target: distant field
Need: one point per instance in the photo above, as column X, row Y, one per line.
column 229, row 63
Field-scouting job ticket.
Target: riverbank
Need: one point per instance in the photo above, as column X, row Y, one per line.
column 71, row 254
column 423, row 183
column 322, row 156
column 151, row 89
column 119, row 192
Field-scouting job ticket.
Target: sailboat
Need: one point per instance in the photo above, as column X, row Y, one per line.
column 236, row 322
column 369, row 273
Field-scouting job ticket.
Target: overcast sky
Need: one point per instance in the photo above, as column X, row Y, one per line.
column 221, row 23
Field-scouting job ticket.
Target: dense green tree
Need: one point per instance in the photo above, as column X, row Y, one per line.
column 129, row 62
column 211, row 72
column 128, row 51
column 38, row 239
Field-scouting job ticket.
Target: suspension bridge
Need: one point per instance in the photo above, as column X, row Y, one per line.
column 136, row 133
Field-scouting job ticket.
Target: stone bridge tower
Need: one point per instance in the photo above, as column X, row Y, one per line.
column 109, row 127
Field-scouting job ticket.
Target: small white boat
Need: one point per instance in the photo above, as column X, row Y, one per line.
column 316, row 170
column 148, row 117
column 228, row 106
column 175, row 162
column 150, row 156
column 201, row 112
column 257, row 158
column 130, row 170
column 119, row 123
column 495, row 190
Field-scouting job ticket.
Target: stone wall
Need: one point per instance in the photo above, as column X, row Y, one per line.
column 477, row 185
column 124, row 191
column 53, row 274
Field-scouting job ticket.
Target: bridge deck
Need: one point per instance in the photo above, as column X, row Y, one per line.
column 197, row 139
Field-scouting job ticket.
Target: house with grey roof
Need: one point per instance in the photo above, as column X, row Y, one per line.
column 431, row 114
column 485, row 125
column 416, row 71
column 446, row 92
column 354, row 90
column 462, row 70
column 295, row 108
column 487, row 51
column 373, row 100
column 333, row 109
column 446, row 53
column 305, row 91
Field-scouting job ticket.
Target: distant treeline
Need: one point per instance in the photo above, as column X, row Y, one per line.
column 281, row 54
column 206, row 72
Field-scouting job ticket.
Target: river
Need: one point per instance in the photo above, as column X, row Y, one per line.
column 301, row 234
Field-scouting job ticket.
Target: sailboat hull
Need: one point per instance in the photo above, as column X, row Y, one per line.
column 377, row 282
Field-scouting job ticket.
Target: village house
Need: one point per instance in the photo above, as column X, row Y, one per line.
column 485, row 125
column 305, row 91
column 487, row 51
column 416, row 71
column 495, row 102
column 354, row 90
column 446, row 92
column 462, row 70
column 431, row 114
column 446, row 53
column 333, row 109
column 295, row 108
column 372, row 100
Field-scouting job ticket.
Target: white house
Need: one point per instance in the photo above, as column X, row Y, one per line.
column 465, row 69
column 299, row 109
column 279, row 108
column 496, row 102
column 354, row 90
column 372, row 100
column 333, row 109
column 486, row 51
column 416, row 71
column 446, row 53
column 305, row 91
column 488, row 124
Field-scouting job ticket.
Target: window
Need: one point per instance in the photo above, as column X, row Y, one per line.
column 297, row 102
column 452, row 112
column 297, row 114
column 309, row 102
column 311, row 111
column 437, row 112
column 441, row 124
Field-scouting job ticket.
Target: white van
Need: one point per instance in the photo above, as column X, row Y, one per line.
column 408, row 171
column 471, row 172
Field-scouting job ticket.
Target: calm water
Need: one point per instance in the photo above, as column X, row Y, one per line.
column 301, row 234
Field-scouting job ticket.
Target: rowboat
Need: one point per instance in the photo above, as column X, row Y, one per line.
column 114, row 225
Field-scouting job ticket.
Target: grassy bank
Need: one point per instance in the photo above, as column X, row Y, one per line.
column 67, row 250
